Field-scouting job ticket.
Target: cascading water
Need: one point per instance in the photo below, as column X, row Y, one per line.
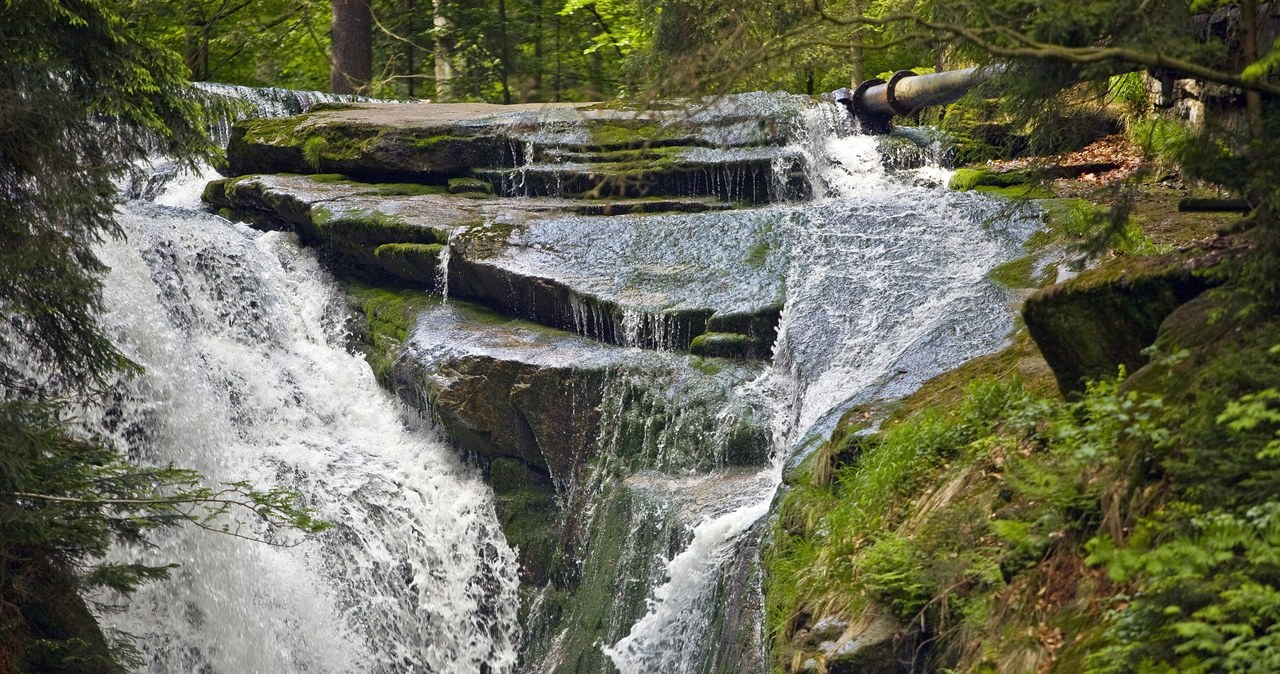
column 887, row 288
column 247, row 378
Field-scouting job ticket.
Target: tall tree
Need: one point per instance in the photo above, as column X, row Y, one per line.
column 351, row 65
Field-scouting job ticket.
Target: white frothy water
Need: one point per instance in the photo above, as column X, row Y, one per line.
column 886, row 289
column 246, row 378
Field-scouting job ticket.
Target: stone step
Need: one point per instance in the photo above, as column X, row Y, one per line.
column 726, row 148
column 652, row 280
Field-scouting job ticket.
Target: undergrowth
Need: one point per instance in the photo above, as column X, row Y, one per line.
column 1010, row 532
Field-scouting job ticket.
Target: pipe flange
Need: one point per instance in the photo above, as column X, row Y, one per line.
column 845, row 98
column 857, row 108
column 891, row 96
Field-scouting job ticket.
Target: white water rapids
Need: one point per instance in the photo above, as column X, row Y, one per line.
column 241, row 335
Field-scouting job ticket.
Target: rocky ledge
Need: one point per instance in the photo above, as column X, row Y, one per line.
column 690, row 281
column 729, row 148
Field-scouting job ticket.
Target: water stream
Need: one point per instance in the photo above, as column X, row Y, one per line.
column 887, row 288
column 248, row 376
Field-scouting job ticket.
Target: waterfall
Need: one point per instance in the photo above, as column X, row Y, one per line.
column 886, row 289
column 247, row 377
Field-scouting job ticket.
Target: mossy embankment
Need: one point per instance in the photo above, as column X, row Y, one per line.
column 989, row 524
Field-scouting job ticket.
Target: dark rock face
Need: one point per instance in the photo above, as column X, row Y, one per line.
column 1106, row 317
column 560, row 422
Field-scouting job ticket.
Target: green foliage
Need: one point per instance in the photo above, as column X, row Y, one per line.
column 1163, row 139
column 832, row 550
column 84, row 92
column 894, row 571
column 943, row 514
column 257, row 43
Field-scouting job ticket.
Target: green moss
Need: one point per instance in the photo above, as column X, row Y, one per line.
column 271, row 131
column 1016, row 191
column 367, row 227
column 526, row 506
column 415, row 262
column 215, row 193
column 459, row 185
column 328, row 178
column 758, row 253
column 1015, row 273
column 313, row 151
column 965, row 179
column 617, row 134
column 707, row 366
column 723, row 345
column 389, row 315
column 433, row 142
column 407, row 189
column 969, row 178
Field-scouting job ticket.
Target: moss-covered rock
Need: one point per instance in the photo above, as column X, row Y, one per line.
column 525, row 500
column 463, row 185
column 412, row 261
column 339, row 141
column 1106, row 317
column 723, row 345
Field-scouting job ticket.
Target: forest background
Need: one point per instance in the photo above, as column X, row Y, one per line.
column 518, row 51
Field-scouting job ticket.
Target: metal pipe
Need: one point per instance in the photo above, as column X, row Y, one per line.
column 876, row 102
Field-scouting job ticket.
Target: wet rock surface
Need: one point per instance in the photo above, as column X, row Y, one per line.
column 657, row 280
column 725, row 147
column 558, row 421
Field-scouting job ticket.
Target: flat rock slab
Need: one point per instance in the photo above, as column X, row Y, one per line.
column 541, row 150
column 655, row 280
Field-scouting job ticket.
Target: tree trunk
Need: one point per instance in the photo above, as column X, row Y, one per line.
column 1249, row 45
column 410, row 30
column 856, row 58
column 351, row 69
column 536, row 94
column 504, row 52
column 444, row 67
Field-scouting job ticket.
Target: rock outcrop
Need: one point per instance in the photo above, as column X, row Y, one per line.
column 584, row 444
column 652, row 280
column 1106, row 317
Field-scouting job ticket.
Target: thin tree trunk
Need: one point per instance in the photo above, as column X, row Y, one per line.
column 558, row 52
column 409, row 33
column 352, row 43
column 856, row 57
column 504, row 52
column 1249, row 47
column 443, row 66
column 537, row 54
